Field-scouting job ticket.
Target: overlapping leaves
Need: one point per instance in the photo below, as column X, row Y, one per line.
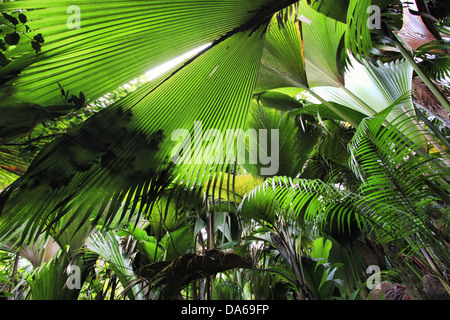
column 398, row 189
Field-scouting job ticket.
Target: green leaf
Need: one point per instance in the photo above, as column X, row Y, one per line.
column 372, row 87
column 357, row 36
column 3, row 60
column 321, row 37
column 123, row 152
column 277, row 100
column 326, row 113
column 12, row 38
column 395, row 181
column 283, row 61
column 39, row 38
column 334, row 9
column 107, row 246
column 178, row 242
column 22, row 18
column 48, row 282
column 294, row 145
column 79, row 59
column 36, row 46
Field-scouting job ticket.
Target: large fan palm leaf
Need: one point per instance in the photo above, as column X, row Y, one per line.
column 122, row 154
column 117, row 42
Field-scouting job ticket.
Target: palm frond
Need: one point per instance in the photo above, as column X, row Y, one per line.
column 357, row 36
column 121, row 155
column 435, row 59
column 436, row 68
column 325, row 113
column 414, row 31
column 334, row 9
column 300, row 50
column 322, row 37
column 49, row 281
column 338, row 9
column 294, row 145
column 329, row 162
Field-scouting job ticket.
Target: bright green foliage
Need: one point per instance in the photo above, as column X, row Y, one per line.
column 86, row 170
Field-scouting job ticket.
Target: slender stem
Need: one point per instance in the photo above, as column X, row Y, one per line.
column 429, row 259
